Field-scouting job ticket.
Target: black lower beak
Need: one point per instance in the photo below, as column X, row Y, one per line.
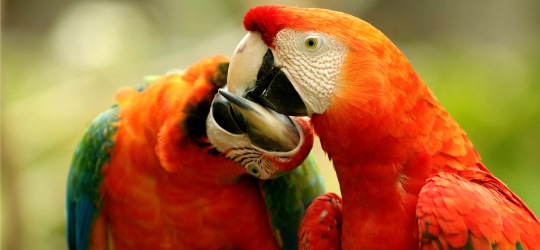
column 274, row 90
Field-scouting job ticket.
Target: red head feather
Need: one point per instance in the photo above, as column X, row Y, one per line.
column 268, row 20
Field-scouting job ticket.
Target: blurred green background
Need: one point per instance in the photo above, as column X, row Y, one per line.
column 62, row 61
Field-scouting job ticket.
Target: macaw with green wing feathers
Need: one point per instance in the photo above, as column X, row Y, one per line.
column 146, row 176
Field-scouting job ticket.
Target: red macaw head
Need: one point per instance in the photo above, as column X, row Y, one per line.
column 302, row 61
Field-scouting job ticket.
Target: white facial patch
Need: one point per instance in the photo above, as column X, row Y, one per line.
column 312, row 62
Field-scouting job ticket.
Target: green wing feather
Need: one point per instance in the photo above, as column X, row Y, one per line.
column 83, row 198
column 287, row 198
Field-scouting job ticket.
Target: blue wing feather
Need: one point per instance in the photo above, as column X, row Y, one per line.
column 83, row 198
column 287, row 198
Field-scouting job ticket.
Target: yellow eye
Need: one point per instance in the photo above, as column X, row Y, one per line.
column 311, row 43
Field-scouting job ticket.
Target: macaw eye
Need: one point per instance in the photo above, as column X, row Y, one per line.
column 312, row 43
column 253, row 170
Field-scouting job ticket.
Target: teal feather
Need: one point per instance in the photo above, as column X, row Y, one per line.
column 83, row 198
column 287, row 198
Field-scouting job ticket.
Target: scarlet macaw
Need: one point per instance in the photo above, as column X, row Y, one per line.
column 409, row 176
column 145, row 176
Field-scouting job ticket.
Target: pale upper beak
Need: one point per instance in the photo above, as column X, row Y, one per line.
column 246, row 63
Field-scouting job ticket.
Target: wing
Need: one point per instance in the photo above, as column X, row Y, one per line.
column 321, row 226
column 474, row 210
column 83, row 199
column 287, row 198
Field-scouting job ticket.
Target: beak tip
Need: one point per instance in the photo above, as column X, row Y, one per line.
column 229, row 96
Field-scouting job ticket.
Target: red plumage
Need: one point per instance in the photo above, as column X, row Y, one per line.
column 409, row 175
column 162, row 189
column 323, row 230
column 493, row 215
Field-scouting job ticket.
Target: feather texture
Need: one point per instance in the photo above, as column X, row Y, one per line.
column 83, row 199
column 287, row 198
column 409, row 175
column 472, row 209
column 321, row 226
column 145, row 176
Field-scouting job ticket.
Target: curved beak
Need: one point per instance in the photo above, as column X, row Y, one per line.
column 254, row 75
column 265, row 128
column 262, row 141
